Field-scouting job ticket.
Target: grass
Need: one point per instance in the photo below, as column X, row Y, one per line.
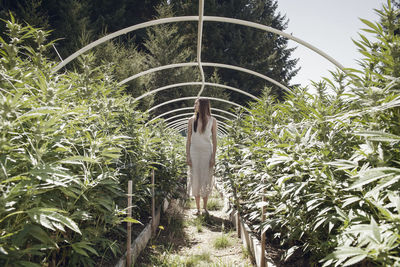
column 246, row 253
column 165, row 251
column 199, row 222
column 167, row 259
column 214, row 204
column 190, row 204
column 176, row 225
column 196, row 259
column 222, row 242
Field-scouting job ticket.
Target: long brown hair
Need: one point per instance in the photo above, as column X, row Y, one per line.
column 202, row 114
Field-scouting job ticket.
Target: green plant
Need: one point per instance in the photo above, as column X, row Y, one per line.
column 214, row 204
column 222, row 241
column 325, row 166
column 69, row 143
column 198, row 222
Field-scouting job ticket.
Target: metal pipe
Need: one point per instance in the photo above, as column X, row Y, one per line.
column 196, row 18
column 194, row 83
column 207, row 64
column 185, row 114
column 190, row 108
column 195, row 97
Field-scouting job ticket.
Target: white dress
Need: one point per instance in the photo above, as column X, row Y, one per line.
column 201, row 174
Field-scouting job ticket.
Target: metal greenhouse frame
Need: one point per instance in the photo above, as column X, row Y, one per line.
column 177, row 123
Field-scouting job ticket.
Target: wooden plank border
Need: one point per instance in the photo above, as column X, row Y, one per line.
column 143, row 238
column 249, row 240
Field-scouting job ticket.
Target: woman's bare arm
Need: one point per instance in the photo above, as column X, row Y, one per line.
column 214, row 141
column 188, row 138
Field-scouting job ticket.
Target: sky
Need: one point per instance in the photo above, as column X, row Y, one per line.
column 329, row 25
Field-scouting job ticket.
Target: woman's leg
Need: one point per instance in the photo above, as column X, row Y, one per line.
column 205, row 199
column 197, row 203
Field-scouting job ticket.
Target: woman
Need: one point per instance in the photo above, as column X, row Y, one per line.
column 200, row 151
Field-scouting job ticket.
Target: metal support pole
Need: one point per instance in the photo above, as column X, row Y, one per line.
column 58, row 54
column 199, row 42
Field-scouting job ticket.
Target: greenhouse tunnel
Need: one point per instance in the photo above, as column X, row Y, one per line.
column 316, row 177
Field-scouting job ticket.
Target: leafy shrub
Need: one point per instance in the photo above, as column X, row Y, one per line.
column 326, row 164
column 69, row 142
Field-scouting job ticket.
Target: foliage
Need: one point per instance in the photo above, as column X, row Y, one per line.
column 326, row 166
column 227, row 43
column 125, row 61
column 166, row 46
column 69, row 143
column 76, row 23
column 222, row 241
column 73, row 19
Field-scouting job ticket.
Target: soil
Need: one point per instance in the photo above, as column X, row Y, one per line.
column 109, row 260
column 188, row 239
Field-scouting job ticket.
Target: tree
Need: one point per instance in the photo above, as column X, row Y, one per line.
column 29, row 11
column 77, row 22
column 166, row 45
column 68, row 20
column 126, row 61
column 257, row 50
column 396, row 3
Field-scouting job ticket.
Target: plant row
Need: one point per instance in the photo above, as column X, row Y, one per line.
column 69, row 143
column 326, row 167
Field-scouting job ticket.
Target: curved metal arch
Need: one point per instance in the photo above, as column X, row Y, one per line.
column 196, row 18
column 220, row 131
column 278, row 32
column 194, row 83
column 178, row 122
column 185, row 114
column 183, row 127
column 121, row 32
column 191, row 108
column 183, row 124
column 180, row 128
column 194, row 97
column 206, row 64
column 185, row 121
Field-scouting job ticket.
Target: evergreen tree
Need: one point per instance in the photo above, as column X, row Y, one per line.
column 72, row 25
column 28, row 11
column 217, row 92
column 126, row 61
column 69, row 20
column 77, row 22
column 257, row 50
column 165, row 46
column 396, row 3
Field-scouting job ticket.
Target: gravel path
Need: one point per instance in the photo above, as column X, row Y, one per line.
column 187, row 239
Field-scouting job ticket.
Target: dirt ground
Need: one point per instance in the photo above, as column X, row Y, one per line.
column 187, row 239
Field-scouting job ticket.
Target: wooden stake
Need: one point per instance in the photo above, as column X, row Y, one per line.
column 238, row 226
column 262, row 262
column 129, row 226
column 153, row 203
